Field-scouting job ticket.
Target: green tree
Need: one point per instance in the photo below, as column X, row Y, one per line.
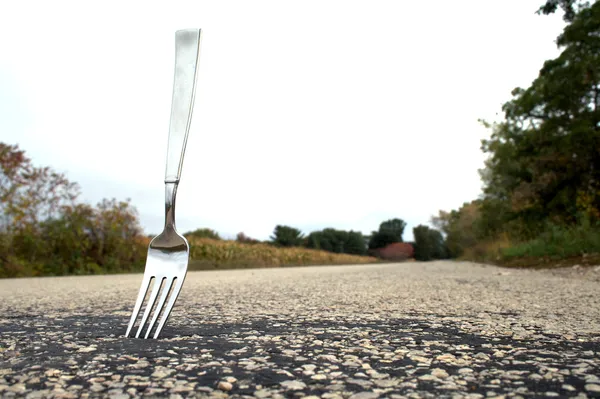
column 389, row 232
column 355, row 243
column 460, row 227
column 203, row 233
column 287, row 236
column 338, row 241
column 569, row 7
column 429, row 244
column 544, row 158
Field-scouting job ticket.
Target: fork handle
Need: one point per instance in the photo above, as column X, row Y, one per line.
column 187, row 57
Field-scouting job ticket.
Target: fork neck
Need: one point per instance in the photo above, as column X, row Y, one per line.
column 170, row 193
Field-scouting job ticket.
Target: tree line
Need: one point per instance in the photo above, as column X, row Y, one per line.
column 428, row 243
column 541, row 179
column 46, row 230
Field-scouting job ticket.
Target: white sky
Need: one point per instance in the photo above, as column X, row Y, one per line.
column 308, row 113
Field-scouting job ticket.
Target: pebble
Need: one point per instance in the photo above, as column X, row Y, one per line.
column 365, row 395
column 447, row 358
column 162, row 372
column 225, row 386
column 592, row 387
column 86, row 349
column 328, row 358
column 439, row 373
column 97, row 388
column 17, row 388
column 262, row 393
column 293, row 385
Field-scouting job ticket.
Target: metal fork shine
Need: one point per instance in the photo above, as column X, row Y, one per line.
column 168, row 252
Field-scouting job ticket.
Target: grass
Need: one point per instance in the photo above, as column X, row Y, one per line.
column 558, row 243
column 557, row 246
column 489, row 251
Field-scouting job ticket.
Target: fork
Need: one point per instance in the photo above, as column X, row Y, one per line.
column 168, row 253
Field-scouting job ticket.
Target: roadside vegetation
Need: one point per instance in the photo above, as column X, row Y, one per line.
column 206, row 254
column 540, row 205
column 541, row 197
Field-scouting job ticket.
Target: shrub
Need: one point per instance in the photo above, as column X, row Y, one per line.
column 202, row 233
column 241, row 237
column 397, row 251
column 559, row 242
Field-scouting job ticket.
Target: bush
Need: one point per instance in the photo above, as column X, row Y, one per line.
column 241, row 237
column 338, row 241
column 398, row 251
column 202, row 233
column 286, row 236
column 559, row 242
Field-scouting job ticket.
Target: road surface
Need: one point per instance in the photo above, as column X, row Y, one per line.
column 430, row 330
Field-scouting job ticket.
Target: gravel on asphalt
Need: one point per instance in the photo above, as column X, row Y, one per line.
column 408, row 330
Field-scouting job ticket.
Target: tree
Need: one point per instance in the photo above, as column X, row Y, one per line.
column 389, row 232
column 30, row 194
column 116, row 227
column 338, row 241
column 429, row 244
column 203, row 233
column 355, row 243
column 544, row 158
column 461, row 227
column 569, row 7
column 287, row 236
column 44, row 231
column 393, row 226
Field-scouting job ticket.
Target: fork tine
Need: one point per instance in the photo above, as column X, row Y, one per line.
column 159, row 306
column 138, row 302
column 157, row 283
column 169, row 307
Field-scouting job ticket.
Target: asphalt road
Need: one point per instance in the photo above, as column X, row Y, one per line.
column 439, row 329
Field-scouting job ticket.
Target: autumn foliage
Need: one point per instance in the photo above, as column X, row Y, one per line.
column 45, row 230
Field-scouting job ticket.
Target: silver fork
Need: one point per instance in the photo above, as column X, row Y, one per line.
column 168, row 252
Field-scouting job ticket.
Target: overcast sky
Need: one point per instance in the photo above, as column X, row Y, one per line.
column 308, row 113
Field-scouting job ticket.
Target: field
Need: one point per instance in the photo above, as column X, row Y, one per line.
column 207, row 254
